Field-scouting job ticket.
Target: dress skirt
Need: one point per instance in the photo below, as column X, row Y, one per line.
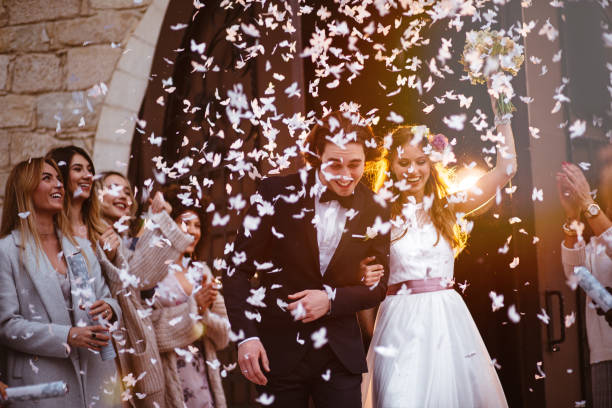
column 427, row 352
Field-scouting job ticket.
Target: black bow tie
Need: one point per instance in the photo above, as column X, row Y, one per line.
column 344, row 201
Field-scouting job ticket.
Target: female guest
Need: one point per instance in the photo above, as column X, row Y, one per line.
column 195, row 368
column 139, row 265
column 44, row 335
column 77, row 170
column 575, row 197
column 426, row 350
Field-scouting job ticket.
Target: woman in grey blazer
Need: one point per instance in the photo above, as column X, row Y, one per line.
column 46, row 332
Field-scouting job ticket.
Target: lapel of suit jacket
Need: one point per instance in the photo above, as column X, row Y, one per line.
column 309, row 227
column 78, row 314
column 70, row 251
column 349, row 226
column 44, row 279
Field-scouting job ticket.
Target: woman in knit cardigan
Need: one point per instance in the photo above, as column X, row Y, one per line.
column 135, row 264
column 193, row 370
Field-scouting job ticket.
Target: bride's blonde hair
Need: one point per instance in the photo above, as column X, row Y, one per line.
column 442, row 215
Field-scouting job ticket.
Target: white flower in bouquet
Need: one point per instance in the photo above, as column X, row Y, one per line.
column 488, row 55
column 501, row 86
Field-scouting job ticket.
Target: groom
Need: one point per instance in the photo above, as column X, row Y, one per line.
column 304, row 236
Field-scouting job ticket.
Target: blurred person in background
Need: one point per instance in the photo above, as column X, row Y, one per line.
column 140, row 262
column 596, row 256
column 193, row 368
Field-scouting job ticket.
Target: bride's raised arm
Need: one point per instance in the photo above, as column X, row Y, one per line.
column 505, row 168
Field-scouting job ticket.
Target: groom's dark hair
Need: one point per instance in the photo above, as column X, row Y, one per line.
column 350, row 122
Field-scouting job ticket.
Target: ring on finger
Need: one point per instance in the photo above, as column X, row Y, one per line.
column 93, row 335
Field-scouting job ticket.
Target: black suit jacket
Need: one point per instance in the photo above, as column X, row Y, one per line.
column 283, row 251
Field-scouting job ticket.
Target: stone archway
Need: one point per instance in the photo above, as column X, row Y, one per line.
column 112, row 142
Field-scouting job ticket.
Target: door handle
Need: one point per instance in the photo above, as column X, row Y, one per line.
column 553, row 344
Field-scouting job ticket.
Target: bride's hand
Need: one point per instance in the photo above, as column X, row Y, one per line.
column 371, row 274
column 493, row 98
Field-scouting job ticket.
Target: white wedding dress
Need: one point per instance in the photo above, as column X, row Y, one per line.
column 426, row 350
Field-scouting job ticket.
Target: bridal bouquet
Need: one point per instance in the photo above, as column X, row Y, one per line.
column 488, row 55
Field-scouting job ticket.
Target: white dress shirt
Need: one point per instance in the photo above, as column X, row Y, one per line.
column 329, row 220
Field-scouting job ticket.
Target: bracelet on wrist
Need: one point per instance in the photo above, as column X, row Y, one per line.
column 568, row 230
column 503, row 120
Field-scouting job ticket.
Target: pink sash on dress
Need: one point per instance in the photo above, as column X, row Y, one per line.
column 415, row 286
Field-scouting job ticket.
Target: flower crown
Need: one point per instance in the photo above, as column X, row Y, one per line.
column 438, row 142
column 439, row 149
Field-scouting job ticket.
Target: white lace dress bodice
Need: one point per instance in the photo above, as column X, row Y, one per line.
column 419, row 253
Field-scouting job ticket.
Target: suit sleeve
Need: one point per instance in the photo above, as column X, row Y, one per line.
column 250, row 246
column 18, row 333
column 349, row 300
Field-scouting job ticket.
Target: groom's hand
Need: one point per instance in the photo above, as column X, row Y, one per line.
column 371, row 274
column 315, row 304
column 249, row 354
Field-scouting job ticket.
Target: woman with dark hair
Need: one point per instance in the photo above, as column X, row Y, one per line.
column 190, row 279
column 426, row 350
column 141, row 263
column 50, row 287
column 77, row 170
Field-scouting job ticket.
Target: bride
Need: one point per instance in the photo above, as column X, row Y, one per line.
column 426, row 350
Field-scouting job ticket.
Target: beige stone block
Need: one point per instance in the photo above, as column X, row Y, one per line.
column 26, row 38
column 137, row 58
column 76, row 135
column 36, row 73
column 17, row 110
column 90, row 65
column 5, row 158
column 28, row 11
column 31, row 144
column 150, row 25
column 116, row 4
column 3, row 180
column 105, row 27
column 126, row 91
column 67, row 108
column 110, row 156
column 3, row 16
column 116, row 125
column 86, row 144
column 4, row 70
column 162, row 4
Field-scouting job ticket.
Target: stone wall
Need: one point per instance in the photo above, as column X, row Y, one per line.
column 56, row 60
